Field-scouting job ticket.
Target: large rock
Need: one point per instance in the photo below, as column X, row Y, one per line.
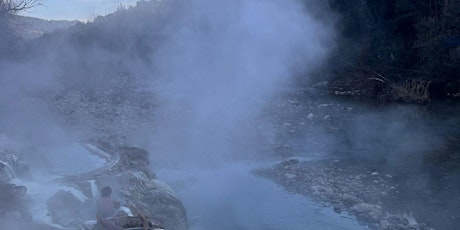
column 12, row 198
column 134, row 185
column 66, row 209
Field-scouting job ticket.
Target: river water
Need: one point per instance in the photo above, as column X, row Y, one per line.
column 230, row 197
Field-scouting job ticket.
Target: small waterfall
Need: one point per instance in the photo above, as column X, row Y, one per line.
column 10, row 172
column 77, row 194
column 94, row 190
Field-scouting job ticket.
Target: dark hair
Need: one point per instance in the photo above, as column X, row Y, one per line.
column 106, row 191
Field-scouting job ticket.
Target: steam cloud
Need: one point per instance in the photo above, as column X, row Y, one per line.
column 209, row 66
column 188, row 80
column 221, row 61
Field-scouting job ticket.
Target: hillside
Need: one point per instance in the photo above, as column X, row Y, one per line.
column 30, row 28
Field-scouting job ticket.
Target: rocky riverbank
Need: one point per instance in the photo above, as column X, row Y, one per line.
column 70, row 199
column 127, row 171
column 347, row 186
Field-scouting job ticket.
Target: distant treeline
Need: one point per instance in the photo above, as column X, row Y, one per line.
column 409, row 49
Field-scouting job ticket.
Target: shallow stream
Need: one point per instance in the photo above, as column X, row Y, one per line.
column 230, row 197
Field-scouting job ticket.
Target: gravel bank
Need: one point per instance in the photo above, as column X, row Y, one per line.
column 347, row 186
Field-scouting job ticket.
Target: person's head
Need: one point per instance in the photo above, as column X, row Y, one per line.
column 106, row 191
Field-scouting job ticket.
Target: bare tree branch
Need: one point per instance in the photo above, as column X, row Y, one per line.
column 13, row 6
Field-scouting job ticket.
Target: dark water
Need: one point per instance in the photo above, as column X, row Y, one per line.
column 419, row 144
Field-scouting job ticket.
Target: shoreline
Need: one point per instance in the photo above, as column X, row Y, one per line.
column 362, row 190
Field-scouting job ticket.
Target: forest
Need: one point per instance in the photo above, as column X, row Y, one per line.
column 408, row 50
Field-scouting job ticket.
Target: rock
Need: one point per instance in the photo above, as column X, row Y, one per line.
column 12, row 198
column 294, row 102
column 89, row 224
column 8, row 222
column 338, row 208
column 287, row 124
column 369, row 212
column 349, row 200
column 290, row 176
column 361, row 194
column 398, row 222
column 66, row 209
column 385, row 225
column 323, row 190
column 135, row 185
column 320, row 84
column 289, row 162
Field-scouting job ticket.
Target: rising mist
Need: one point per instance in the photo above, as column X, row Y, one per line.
column 196, row 73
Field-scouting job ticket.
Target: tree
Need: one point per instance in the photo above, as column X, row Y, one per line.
column 9, row 41
column 13, row 6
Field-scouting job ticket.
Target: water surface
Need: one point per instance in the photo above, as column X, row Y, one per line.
column 230, row 197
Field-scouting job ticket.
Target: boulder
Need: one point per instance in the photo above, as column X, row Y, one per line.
column 136, row 187
column 65, row 209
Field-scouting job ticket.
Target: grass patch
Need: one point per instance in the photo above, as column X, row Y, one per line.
column 411, row 90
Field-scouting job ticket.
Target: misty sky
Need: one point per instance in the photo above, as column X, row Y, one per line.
column 76, row 9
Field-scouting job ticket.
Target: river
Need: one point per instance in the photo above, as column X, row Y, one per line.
column 230, row 197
